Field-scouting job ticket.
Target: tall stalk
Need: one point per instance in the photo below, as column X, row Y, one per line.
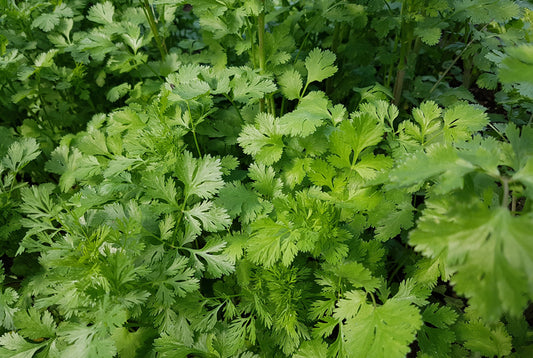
column 149, row 13
column 261, row 47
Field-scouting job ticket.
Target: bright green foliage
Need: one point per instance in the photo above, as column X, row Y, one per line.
column 265, row 179
column 494, row 248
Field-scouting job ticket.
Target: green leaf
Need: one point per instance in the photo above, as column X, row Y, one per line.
column 291, row 84
column 263, row 140
column 117, row 92
column 312, row 349
column 518, row 65
column 8, row 299
column 489, row 341
column 186, row 83
column 248, row 86
column 435, row 338
column 382, row 331
column 307, row 117
column 429, row 35
column 350, row 138
column 240, row 202
column 265, row 181
column 46, row 21
column 485, row 11
column 217, row 263
column 319, row 64
column 35, row 325
column 102, row 13
column 461, row 120
column 489, row 251
column 72, row 166
column 270, row 242
column 20, row 153
column 211, row 218
column 201, row 177
column 15, row 346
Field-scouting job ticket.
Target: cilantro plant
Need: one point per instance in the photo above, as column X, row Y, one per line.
column 266, row 178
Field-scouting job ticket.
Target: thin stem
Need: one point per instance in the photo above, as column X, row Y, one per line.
column 505, row 198
column 193, row 130
column 234, row 106
column 148, row 12
column 261, row 48
column 373, row 299
column 513, row 203
column 455, row 61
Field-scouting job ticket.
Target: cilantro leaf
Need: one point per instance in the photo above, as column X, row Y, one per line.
column 20, row 153
column 102, row 13
column 350, row 138
column 263, row 140
column 248, row 85
column 489, row 251
column 14, row 345
column 217, row 263
column 201, row 177
column 35, row 325
column 382, row 332
column 488, row 340
column 211, row 218
column 436, row 336
column 319, row 64
column 307, row 117
column 291, row 84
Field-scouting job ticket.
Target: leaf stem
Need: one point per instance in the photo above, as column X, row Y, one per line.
column 505, row 198
column 148, row 12
column 454, row 61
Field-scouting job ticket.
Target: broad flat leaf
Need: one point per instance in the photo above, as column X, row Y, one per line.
column 263, row 140
column 206, row 216
column 435, row 338
column 291, row 84
column 319, row 64
column 518, row 65
column 102, row 13
column 248, row 86
column 265, row 181
column 14, row 345
column 20, row 153
column 382, row 331
column 271, row 241
column 117, row 92
column 489, row 341
column 490, row 251
column 8, row 299
column 307, row 117
column 351, row 137
column 72, row 166
column 485, row 11
column 218, row 264
column 312, row 349
column 429, row 35
column 34, row 325
column 461, row 120
column 240, row 202
column 200, row 176
column 439, row 160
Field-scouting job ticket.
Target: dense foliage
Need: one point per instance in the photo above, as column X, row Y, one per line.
column 266, row 178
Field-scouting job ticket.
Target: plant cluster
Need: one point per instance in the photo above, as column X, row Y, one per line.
column 266, row 178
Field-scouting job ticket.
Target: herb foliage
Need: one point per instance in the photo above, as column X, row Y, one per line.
column 266, row 178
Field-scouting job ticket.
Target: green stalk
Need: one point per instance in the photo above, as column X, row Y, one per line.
column 505, row 198
column 454, row 61
column 147, row 9
column 261, row 47
column 401, row 67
